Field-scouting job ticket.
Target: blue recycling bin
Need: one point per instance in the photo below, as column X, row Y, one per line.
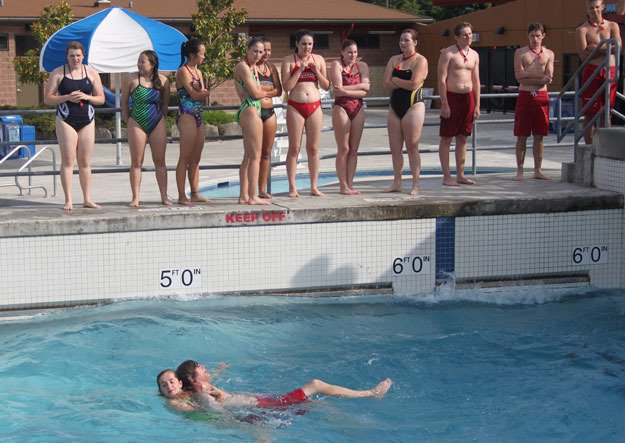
column 28, row 135
column 11, row 131
column 568, row 110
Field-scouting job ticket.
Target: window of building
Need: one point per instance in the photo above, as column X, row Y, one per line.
column 570, row 64
column 23, row 43
column 366, row 41
column 322, row 41
column 4, row 42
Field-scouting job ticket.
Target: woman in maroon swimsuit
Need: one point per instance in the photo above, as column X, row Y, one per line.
column 351, row 84
column 302, row 76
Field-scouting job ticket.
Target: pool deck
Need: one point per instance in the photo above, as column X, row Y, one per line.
column 493, row 194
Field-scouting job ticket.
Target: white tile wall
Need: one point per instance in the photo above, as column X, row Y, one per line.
column 609, row 174
column 534, row 244
column 120, row 265
column 68, row 269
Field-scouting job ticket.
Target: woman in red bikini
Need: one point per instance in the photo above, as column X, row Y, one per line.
column 351, row 84
column 302, row 76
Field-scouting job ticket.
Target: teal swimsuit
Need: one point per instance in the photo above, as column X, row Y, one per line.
column 249, row 102
column 186, row 103
column 146, row 107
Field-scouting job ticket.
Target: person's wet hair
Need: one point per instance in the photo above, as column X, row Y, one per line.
column 189, row 47
column 156, row 79
column 301, row 34
column 74, row 45
column 413, row 33
column 460, row 26
column 536, row 27
column 254, row 41
column 185, row 372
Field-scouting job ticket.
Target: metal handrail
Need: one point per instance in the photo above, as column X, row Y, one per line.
column 612, row 47
column 473, row 146
column 27, row 165
column 8, row 155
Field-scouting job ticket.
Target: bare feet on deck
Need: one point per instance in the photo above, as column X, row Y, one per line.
column 381, row 389
column 415, row 191
column 395, row 187
column 348, row 191
column 166, row 201
column 91, row 205
column 538, row 175
column 257, row 201
column 519, row 176
column 263, row 194
column 243, row 200
column 465, row 181
column 134, row 204
column 450, row 182
column 315, row 192
column 185, row 202
column 293, row 193
column 196, row 197
column 69, row 206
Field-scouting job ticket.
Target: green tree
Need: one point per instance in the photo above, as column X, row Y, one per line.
column 427, row 7
column 53, row 18
column 214, row 23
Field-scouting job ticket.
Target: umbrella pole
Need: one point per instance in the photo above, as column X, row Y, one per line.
column 118, row 118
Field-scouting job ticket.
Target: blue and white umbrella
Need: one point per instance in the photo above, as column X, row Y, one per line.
column 113, row 39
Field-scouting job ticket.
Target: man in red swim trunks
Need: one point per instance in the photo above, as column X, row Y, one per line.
column 533, row 69
column 459, row 89
column 587, row 37
column 196, row 380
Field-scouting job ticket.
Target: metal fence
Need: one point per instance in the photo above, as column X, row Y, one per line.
column 26, row 170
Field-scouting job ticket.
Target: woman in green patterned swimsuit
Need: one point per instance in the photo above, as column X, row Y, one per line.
column 248, row 115
column 145, row 120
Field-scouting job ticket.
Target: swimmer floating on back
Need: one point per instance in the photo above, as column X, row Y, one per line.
column 189, row 388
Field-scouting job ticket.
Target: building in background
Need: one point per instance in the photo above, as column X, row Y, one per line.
column 376, row 29
column 501, row 29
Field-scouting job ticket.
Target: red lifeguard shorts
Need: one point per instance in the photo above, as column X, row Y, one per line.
column 594, row 87
column 292, row 398
column 460, row 121
column 531, row 114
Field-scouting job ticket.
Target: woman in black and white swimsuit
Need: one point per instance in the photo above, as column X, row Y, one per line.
column 74, row 88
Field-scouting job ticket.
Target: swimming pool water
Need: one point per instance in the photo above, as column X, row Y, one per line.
column 546, row 368
column 280, row 183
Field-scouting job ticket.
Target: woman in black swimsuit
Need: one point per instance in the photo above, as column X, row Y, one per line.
column 404, row 76
column 74, row 88
column 270, row 83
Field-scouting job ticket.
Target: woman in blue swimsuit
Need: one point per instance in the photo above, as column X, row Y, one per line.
column 191, row 95
column 249, row 117
column 145, row 121
column 404, row 76
column 74, row 88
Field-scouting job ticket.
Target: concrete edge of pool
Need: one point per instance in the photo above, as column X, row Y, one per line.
column 495, row 194
column 497, row 232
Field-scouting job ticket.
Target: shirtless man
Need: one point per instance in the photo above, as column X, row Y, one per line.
column 196, row 380
column 533, row 69
column 459, row 89
column 587, row 37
